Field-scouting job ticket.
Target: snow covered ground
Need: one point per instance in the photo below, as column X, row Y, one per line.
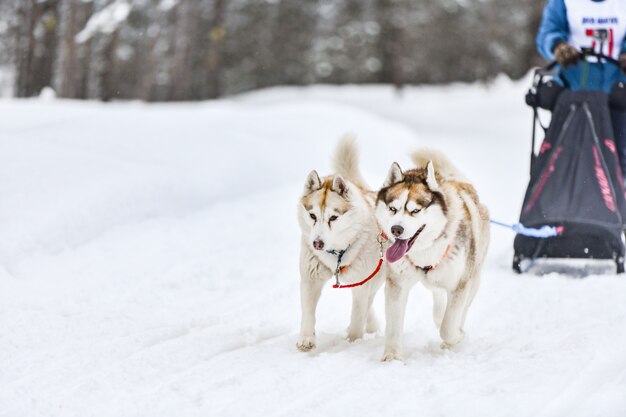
column 148, row 265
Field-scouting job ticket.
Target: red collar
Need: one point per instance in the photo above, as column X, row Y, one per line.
column 429, row 268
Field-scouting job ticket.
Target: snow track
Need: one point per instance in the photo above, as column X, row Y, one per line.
column 149, row 265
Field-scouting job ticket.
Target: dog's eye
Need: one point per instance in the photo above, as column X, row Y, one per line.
column 332, row 218
column 416, row 211
column 393, row 210
column 313, row 216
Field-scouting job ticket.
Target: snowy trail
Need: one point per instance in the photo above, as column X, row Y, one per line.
column 148, row 265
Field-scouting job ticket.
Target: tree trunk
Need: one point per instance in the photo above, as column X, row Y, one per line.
column 536, row 12
column 45, row 47
column 182, row 65
column 66, row 80
column 391, row 43
column 216, row 42
column 24, row 48
column 36, row 46
column 108, row 90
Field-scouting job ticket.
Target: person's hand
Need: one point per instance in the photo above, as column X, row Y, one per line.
column 565, row 54
column 622, row 61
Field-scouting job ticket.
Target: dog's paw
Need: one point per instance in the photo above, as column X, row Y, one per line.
column 449, row 345
column 451, row 339
column 388, row 357
column 354, row 336
column 305, row 343
column 446, row 346
column 392, row 355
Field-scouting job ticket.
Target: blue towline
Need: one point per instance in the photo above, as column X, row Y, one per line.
column 543, row 232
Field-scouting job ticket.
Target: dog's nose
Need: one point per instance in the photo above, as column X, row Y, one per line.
column 397, row 230
column 318, row 244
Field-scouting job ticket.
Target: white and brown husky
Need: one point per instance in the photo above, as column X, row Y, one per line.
column 439, row 234
column 339, row 236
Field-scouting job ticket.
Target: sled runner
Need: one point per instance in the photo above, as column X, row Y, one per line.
column 575, row 178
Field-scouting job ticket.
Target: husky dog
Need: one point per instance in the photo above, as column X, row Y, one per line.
column 336, row 216
column 439, row 234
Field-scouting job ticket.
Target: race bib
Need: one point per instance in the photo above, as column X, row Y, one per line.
column 597, row 25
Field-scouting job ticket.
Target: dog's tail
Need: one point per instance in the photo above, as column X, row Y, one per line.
column 441, row 163
column 346, row 161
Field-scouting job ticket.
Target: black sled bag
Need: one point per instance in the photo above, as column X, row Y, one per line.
column 576, row 184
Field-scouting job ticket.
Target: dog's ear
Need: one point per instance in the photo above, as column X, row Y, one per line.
column 395, row 175
column 431, row 178
column 312, row 183
column 340, row 186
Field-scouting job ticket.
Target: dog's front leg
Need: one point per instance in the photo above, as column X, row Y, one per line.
column 310, row 291
column 439, row 306
column 371, row 323
column 360, row 304
column 396, row 296
column 452, row 326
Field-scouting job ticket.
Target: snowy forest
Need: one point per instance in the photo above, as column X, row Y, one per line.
column 175, row 50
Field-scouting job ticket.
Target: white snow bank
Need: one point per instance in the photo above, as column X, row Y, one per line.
column 148, row 265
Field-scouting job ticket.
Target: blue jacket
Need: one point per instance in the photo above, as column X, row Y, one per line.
column 554, row 27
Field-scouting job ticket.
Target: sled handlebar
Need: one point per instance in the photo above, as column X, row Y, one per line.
column 584, row 54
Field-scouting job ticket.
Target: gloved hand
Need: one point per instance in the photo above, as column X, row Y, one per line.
column 565, row 54
column 622, row 61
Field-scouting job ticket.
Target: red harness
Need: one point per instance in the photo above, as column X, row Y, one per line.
column 429, row 268
column 382, row 238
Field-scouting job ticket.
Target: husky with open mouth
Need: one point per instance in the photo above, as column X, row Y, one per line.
column 439, row 234
column 339, row 236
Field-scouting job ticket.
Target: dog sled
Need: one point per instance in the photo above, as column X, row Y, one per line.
column 576, row 185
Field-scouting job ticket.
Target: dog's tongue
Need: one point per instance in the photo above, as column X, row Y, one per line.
column 397, row 250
